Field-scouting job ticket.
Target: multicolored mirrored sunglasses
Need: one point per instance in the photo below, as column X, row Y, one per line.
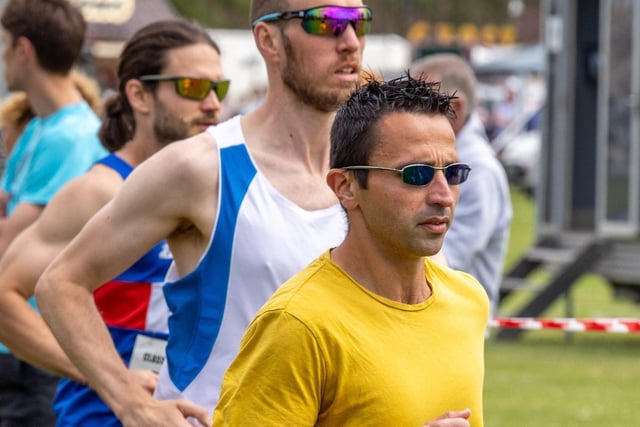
column 193, row 87
column 327, row 20
column 420, row 175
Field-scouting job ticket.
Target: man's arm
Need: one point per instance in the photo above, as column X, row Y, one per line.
column 21, row 328
column 4, row 202
column 22, row 217
column 154, row 202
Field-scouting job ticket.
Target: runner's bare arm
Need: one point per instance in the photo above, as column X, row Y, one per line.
column 21, row 328
column 159, row 199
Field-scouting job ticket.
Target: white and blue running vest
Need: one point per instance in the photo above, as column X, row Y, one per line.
column 259, row 240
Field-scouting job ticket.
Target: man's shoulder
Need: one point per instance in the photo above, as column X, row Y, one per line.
column 198, row 148
column 76, row 114
column 70, row 125
column 486, row 168
column 227, row 133
column 93, row 188
column 307, row 293
column 459, row 281
column 184, row 162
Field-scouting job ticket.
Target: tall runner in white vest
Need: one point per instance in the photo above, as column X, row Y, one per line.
column 243, row 206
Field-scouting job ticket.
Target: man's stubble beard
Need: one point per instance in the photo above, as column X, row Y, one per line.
column 296, row 80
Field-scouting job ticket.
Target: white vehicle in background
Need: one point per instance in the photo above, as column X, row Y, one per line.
column 518, row 147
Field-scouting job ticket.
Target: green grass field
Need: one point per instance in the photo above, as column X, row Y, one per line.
column 552, row 378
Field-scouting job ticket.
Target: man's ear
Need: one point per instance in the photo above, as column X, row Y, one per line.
column 461, row 108
column 138, row 97
column 25, row 48
column 268, row 40
column 345, row 187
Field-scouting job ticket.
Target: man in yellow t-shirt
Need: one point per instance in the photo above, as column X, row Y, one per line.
column 373, row 332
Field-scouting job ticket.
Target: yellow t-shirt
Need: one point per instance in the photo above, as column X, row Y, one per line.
column 325, row 351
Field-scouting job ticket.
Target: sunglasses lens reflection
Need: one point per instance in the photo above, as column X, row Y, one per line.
column 221, row 88
column 418, row 174
column 199, row 88
column 333, row 21
column 194, row 88
column 456, row 174
column 423, row 174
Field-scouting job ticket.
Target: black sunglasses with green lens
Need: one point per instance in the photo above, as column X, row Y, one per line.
column 195, row 88
column 421, row 175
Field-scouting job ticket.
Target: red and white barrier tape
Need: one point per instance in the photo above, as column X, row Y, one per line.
column 613, row 325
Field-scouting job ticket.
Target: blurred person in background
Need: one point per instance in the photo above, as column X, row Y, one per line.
column 16, row 112
column 141, row 118
column 478, row 238
column 505, row 110
column 42, row 41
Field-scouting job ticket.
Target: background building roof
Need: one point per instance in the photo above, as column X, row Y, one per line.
column 117, row 20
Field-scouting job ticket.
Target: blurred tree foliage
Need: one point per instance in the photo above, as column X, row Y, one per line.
column 215, row 13
column 389, row 15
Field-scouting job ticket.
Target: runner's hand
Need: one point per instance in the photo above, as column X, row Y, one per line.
column 167, row 413
column 451, row 419
column 147, row 379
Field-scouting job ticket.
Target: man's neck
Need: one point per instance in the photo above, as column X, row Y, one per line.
column 401, row 280
column 52, row 92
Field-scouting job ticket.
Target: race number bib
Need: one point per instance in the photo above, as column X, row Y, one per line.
column 148, row 353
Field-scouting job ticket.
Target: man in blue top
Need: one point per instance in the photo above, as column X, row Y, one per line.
column 131, row 305
column 478, row 238
column 42, row 40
